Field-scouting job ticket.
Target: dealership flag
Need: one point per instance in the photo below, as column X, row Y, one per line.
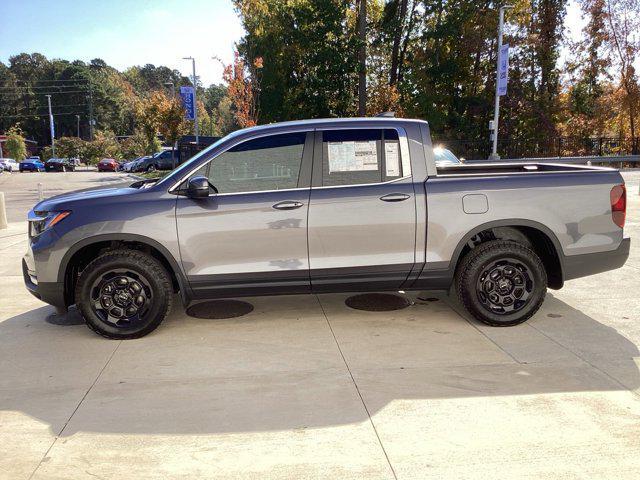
column 503, row 62
column 187, row 95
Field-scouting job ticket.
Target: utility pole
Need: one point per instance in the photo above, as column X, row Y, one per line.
column 195, row 98
column 78, row 123
column 362, row 58
column 493, row 125
column 91, row 121
column 51, row 128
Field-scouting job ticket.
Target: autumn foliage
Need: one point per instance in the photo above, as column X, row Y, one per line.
column 243, row 88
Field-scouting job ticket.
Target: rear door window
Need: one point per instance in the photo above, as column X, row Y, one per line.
column 360, row 156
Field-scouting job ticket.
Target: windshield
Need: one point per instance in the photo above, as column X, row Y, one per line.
column 443, row 155
column 188, row 165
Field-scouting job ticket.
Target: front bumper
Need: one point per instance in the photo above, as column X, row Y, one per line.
column 576, row 266
column 49, row 292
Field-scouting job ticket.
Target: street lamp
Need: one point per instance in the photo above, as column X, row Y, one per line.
column 195, row 101
column 496, row 111
column 172, row 86
column 78, row 122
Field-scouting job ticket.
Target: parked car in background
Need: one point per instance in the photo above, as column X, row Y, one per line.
column 59, row 165
column 158, row 161
column 444, row 156
column 108, row 165
column 8, row 165
column 130, row 165
column 31, row 164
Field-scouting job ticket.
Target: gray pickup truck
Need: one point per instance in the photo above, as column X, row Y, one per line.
column 337, row 205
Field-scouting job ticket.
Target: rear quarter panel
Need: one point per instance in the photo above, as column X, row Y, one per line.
column 574, row 206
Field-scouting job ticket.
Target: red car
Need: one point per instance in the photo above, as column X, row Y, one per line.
column 108, row 165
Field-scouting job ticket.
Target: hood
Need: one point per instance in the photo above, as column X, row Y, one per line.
column 65, row 201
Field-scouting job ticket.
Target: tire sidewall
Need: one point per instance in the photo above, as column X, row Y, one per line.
column 158, row 302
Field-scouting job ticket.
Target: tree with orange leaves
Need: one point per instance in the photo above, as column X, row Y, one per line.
column 243, row 88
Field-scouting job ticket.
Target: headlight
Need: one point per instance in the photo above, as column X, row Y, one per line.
column 44, row 220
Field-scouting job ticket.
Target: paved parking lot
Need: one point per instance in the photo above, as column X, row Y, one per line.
column 304, row 387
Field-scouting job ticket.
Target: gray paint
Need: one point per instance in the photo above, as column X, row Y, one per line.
column 342, row 237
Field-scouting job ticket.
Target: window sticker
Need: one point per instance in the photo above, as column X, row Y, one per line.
column 352, row 156
column 392, row 158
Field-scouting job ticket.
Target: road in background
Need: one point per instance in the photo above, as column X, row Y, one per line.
column 21, row 189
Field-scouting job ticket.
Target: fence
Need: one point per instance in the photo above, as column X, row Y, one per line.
column 552, row 147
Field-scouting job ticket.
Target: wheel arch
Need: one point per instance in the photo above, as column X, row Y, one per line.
column 540, row 237
column 85, row 250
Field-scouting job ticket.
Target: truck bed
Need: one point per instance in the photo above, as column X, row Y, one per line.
column 500, row 168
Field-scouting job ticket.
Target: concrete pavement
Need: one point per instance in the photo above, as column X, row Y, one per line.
column 304, row 387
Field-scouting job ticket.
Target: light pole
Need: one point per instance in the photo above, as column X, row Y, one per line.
column 78, row 123
column 51, row 128
column 195, row 99
column 172, row 86
column 496, row 111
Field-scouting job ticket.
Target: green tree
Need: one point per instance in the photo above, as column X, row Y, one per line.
column 70, row 147
column 171, row 122
column 15, row 146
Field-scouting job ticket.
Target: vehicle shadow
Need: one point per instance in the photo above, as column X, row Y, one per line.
column 279, row 367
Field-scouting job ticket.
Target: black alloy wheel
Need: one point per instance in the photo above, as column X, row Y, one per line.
column 505, row 286
column 121, row 297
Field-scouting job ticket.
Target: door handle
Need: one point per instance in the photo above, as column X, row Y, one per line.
column 395, row 197
column 288, row 205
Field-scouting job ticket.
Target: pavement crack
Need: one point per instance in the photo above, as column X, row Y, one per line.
column 355, row 384
column 75, row 409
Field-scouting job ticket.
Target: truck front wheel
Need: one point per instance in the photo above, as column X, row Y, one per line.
column 124, row 294
column 501, row 283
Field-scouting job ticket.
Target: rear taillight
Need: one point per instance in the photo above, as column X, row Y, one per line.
column 618, row 204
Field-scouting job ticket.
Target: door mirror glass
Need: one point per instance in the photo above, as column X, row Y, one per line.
column 198, row 187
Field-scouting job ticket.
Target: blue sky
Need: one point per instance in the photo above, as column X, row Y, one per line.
column 135, row 32
column 124, row 32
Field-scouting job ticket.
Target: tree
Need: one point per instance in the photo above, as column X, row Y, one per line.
column 104, row 145
column 148, row 112
column 15, row 146
column 171, row 122
column 243, row 88
column 70, row 147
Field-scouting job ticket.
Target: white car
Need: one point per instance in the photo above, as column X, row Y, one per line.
column 9, row 165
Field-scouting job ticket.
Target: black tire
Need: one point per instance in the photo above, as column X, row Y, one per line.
column 516, row 270
column 151, row 168
column 102, row 274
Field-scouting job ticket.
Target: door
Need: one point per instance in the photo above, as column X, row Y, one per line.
column 362, row 214
column 251, row 237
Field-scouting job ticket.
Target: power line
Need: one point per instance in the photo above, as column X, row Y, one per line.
column 68, row 105
column 42, row 115
column 46, row 87
column 68, row 80
column 45, row 93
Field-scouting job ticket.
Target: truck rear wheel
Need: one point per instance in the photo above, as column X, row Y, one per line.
column 124, row 294
column 501, row 283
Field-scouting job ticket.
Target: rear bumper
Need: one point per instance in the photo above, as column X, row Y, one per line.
column 576, row 266
column 49, row 292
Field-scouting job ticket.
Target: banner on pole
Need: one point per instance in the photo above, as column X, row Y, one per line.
column 187, row 95
column 503, row 64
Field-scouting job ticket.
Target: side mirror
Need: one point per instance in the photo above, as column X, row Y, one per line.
column 198, row 187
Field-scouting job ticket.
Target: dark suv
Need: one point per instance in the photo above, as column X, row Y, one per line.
column 159, row 161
